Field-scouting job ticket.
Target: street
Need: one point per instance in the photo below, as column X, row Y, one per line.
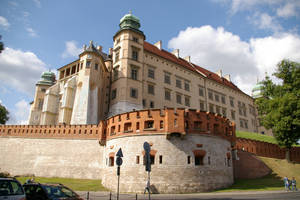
column 256, row 195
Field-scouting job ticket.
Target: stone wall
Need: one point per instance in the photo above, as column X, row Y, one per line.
column 71, row 158
column 171, row 172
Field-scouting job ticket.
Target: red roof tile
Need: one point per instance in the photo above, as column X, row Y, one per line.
column 190, row 66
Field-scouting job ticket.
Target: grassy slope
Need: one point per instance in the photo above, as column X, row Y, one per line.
column 280, row 168
column 256, row 136
column 74, row 184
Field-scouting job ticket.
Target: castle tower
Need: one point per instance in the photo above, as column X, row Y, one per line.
column 46, row 81
column 127, row 73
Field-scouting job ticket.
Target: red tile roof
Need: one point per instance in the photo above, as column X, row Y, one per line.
column 190, row 66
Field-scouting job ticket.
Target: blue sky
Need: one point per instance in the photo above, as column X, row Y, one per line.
column 245, row 39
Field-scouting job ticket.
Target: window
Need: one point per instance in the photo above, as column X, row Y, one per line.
column 138, row 126
column 151, row 73
column 189, row 160
column 167, row 95
column 208, row 160
column 144, row 102
column 43, row 90
column 217, row 97
column 134, row 73
column 223, row 99
column 201, row 91
column 178, row 98
column 133, row 93
column 246, row 123
column 151, row 104
column 161, row 124
column 241, row 123
column 88, row 64
column 210, row 95
column 135, row 54
column 116, row 73
column 137, row 159
column 199, row 160
column 232, row 114
column 96, row 66
column 187, row 101
column 117, row 58
column 224, row 112
column 40, row 105
column 175, row 123
column 218, row 109
column 178, row 83
column 150, row 89
column 149, row 124
column 135, row 39
column 160, row 159
column 114, row 94
column 187, row 86
column 202, row 105
column 111, row 161
column 211, row 108
column 167, row 78
column 231, row 101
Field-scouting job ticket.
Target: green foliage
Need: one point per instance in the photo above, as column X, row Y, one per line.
column 256, row 136
column 279, row 108
column 3, row 114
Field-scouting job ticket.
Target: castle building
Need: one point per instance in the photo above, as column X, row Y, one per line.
column 135, row 75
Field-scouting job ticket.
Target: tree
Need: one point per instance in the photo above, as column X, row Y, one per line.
column 3, row 114
column 1, row 45
column 279, row 106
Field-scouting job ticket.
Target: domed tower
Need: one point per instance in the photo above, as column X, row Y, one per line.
column 128, row 53
column 257, row 90
column 47, row 80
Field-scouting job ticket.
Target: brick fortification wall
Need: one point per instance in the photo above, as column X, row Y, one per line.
column 266, row 149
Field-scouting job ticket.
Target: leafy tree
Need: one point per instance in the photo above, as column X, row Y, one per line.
column 3, row 114
column 279, row 108
column 1, row 45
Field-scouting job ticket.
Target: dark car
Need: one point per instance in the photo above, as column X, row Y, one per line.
column 11, row 189
column 44, row 191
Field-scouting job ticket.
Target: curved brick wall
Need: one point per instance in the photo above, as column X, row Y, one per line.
column 173, row 174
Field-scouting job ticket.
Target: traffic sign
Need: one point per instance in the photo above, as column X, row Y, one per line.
column 146, row 147
column 119, row 161
column 120, row 153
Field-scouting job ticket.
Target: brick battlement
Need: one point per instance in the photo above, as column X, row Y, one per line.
column 167, row 121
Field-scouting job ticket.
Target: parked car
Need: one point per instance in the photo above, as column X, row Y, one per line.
column 45, row 191
column 11, row 189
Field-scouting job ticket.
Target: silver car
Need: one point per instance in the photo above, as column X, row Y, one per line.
column 11, row 189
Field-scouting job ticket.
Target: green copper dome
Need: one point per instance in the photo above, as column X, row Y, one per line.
column 47, row 78
column 130, row 21
column 257, row 90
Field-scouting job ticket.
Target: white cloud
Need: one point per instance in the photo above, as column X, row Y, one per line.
column 4, row 23
column 19, row 114
column 245, row 61
column 71, row 49
column 265, row 21
column 31, row 32
column 37, row 3
column 288, row 10
column 20, row 70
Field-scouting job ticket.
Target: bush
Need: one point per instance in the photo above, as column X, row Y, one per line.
column 4, row 175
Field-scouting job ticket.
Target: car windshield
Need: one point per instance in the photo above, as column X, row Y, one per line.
column 58, row 191
column 10, row 187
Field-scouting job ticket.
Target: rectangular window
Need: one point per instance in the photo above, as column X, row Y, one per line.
column 231, row 101
column 167, row 95
column 198, row 160
column 210, row 95
column 187, row 101
column 160, row 159
column 134, row 74
column 111, row 161
column 232, row 114
column 201, row 91
column 178, row 98
column 135, row 39
column 187, row 86
column 137, row 159
column 218, row 109
column 167, row 78
column 114, row 94
column 88, row 64
column 241, row 123
column 246, row 123
column 40, row 105
column 150, row 89
column 208, row 160
column 116, row 73
column 96, row 66
column 151, row 104
column 135, row 54
column 223, row 99
column 211, row 108
column 133, row 93
column 178, row 83
column 202, row 105
column 151, row 73
column 144, row 102
column 217, row 97
column 224, row 112
column 189, row 160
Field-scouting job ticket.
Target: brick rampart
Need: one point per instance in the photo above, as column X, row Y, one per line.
column 266, row 149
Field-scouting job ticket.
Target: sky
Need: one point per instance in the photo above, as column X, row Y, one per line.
column 244, row 38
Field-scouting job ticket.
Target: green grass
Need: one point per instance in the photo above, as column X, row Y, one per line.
column 74, row 184
column 273, row 181
column 256, row 136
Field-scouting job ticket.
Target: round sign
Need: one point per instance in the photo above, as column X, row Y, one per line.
column 119, row 161
column 146, row 147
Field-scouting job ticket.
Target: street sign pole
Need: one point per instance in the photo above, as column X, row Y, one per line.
column 119, row 162
column 148, row 166
column 118, row 173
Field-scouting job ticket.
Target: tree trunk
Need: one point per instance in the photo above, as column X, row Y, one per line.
column 287, row 154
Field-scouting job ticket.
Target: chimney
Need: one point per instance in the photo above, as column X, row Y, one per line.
column 219, row 72
column 227, row 76
column 158, row 44
column 99, row 48
column 187, row 58
column 176, row 52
